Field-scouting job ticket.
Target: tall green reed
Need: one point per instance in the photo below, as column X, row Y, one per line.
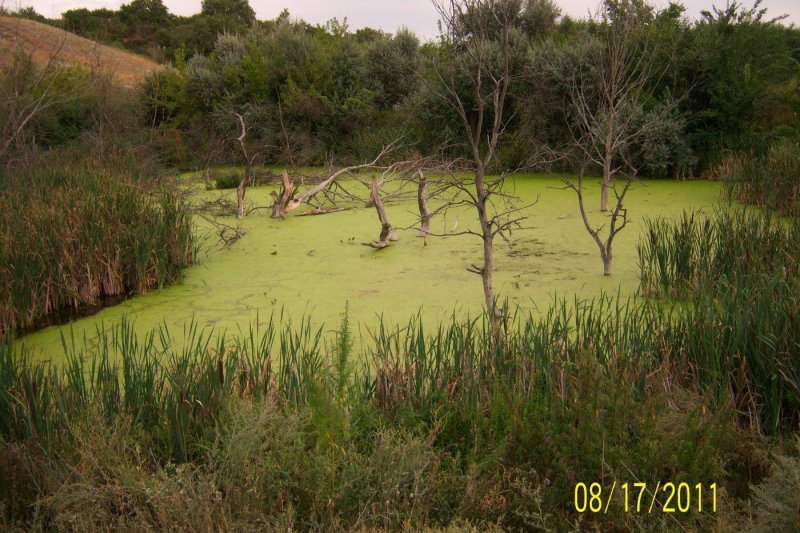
column 771, row 180
column 676, row 258
column 738, row 275
column 78, row 229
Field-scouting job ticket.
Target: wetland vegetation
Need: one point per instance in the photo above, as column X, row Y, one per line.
column 274, row 366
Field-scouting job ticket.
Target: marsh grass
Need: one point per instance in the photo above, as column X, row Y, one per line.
column 279, row 426
column 771, row 180
column 738, row 274
column 677, row 258
column 77, row 230
column 276, row 427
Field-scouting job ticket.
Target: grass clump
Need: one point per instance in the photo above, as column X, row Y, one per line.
column 677, row 258
column 739, row 277
column 771, row 180
column 223, row 179
column 79, row 229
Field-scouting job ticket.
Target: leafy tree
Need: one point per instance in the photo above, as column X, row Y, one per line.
column 538, row 17
column 735, row 56
column 391, row 64
column 143, row 19
column 238, row 10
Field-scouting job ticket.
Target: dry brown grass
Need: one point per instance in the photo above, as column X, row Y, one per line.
column 44, row 42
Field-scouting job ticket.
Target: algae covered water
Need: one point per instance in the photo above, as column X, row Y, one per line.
column 315, row 265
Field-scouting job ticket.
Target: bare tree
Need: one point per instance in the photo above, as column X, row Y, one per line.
column 605, row 98
column 606, row 101
column 618, row 218
column 477, row 47
column 247, row 159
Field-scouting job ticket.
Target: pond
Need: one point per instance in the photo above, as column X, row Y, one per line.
column 315, row 265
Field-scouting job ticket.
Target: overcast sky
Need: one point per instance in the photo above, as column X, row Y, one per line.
column 387, row 15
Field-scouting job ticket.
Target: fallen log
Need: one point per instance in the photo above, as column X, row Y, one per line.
column 286, row 201
column 322, row 211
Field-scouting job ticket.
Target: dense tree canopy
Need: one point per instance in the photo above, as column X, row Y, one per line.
column 324, row 90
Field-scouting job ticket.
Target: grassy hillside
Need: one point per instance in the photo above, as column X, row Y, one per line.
column 44, row 42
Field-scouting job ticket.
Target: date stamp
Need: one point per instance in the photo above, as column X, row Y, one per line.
column 640, row 498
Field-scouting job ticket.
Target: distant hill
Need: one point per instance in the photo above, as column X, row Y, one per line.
column 43, row 41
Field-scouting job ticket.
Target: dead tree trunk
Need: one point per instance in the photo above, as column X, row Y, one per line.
column 281, row 201
column 424, row 212
column 609, row 155
column 286, row 201
column 618, row 220
column 387, row 230
column 241, row 189
column 487, row 235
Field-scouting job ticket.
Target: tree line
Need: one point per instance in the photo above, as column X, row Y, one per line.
column 313, row 93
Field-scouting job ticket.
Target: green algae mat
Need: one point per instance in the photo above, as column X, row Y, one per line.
column 313, row 266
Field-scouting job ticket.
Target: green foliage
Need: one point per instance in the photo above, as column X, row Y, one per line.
column 236, row 9
column 116, row 235
column 734, row 74
column 219, row 179
column 741, row 274
column 43, row 105
column 437, row 427
column 738, row 57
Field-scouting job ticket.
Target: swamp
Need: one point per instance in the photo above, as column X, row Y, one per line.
column 302, row 265
column 533, row 270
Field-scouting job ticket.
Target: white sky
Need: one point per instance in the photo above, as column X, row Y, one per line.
column 387, row 15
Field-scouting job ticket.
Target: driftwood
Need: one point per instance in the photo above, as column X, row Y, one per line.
column 322, row 211
column 227, row 234
column 286, row 201
column 387, row 230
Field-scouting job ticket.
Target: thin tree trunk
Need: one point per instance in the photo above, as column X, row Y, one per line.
column 488, row 247
column 606, row 255
column 240, row 190
column 606, row 176
column 424, row 212
column 487, row 277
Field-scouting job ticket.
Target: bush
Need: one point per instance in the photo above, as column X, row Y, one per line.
column 223, row 179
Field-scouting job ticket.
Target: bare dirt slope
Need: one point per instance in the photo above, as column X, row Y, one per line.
column 44, row 41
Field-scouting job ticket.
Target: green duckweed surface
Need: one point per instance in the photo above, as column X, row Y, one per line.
column 313, row 265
